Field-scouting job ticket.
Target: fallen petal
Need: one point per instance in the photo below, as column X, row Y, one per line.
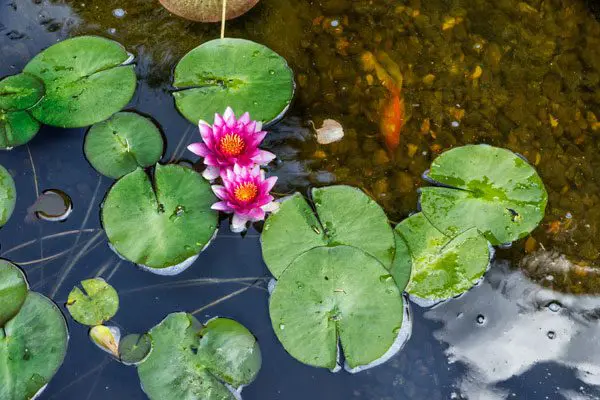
column 331, row 132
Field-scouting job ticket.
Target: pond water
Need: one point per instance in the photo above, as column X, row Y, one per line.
column 524, row 75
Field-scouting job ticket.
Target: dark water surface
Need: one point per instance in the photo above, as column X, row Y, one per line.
column 507, row 338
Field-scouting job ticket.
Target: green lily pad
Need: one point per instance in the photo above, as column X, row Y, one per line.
column 336, row 293
column 20, row 92
column 442, row 267
column 8, row 195
column 86, row 81
column 485, row 187
column 17, row 128
column 402, row 266
column 160, row 223
column 236, row 73
column 13, row 290
column 96, row 305
column 123, row 143
column 190, row 361
column 32, row 347
column 134, row 349
column 344, row 216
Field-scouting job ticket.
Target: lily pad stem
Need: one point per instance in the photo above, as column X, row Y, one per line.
column 223, row 18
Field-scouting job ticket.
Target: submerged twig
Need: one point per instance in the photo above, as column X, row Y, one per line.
column 52, row 236
column 82, row 377
column 195, row 282
column 224, row 298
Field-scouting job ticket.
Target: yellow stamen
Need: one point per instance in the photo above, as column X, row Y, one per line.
column 246, row 192
column 232, row 145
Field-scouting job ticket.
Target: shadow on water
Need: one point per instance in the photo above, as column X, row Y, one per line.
column 504, row 339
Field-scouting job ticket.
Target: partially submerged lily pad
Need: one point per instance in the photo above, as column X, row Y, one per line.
column 8, row 195
column 86, row 80
column 135, row 349
column 485, row 187
column 442, row 267
column 344, row 216
column 32, row 347
column 192, row 361
column 160, row 222
column 208, row 10
column 236, row 73
column 95, row 304
column 20, row 92
column 13, row 290
column 331, row 294
column 122, row 143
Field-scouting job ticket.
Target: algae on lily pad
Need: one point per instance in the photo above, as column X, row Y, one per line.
column 13, row 290
column 135, row 349
column 8, row 195
column 344, row 216
column 95, row 304
column 123, row 143
column 87, row 79
column 442, row 267
column 208, row 10
column 33, row 345
column 18, row 93
column 236, row 73
column 161, row 221
column 331, row 294
column 192, row 361
column 491, row 189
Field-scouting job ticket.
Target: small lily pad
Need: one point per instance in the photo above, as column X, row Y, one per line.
column 107, row 338
column 485, row 187
column 20, row 92
column 122, row 143
column 32, row 347
column 331, row 294
column 13, row 290
column 17, row 128
column 8, row 195
column 96, row 305
column 135, row 349
column 344, row 216
column 86, row 80
column 442, row 267
column 160, row 222
column 191, row 361
column 208, row 10
column 236, row 73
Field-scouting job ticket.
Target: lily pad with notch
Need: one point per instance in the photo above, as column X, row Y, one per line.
column 123, row 143
column 236, row 73
column 336, row 294
column 442, row 266
column 33, row 345
column 8, row 195
column 344, row 216
column 161, row 222
column 489, row 188
column 13, row 290
column 194, row 361
column 87, row 79
column 95, row 304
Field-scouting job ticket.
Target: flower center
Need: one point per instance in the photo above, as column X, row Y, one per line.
column 232, row 145
column 246, row 192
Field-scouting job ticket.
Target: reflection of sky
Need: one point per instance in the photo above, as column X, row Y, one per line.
column 504, row 327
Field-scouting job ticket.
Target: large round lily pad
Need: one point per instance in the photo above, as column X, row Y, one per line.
column 8, row 195
column 208, row 10
column 236, row 73
column 13, row 290
column 336, row 293
column 485, row 187
column 20, row 92
column 442, row 267
column 32, row 347
column 344, row 216
column 122, row 143
column 160, row 222
column 190, row 361
column 95, row 304
column 86, row 81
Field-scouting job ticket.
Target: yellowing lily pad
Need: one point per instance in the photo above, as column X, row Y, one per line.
column 95, row 304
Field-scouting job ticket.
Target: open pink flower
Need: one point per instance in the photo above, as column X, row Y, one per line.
column 245, row 193
column 230, row 141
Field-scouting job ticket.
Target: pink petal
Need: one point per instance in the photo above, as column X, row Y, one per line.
column 205, row 130
column 263, row 157
column 238, row 170
column 257, row 138
column 271, row 207
column 259, row 126
column 210, row 159
column 238, row 223
column 244, row 119
column 221, row 206
column 219, row 122
column 199, row 149
column 220, row 191
column 211, row 172
column 256, row 214
column 229, row 117
column 269, row 183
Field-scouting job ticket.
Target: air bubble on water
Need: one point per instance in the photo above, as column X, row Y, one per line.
column 480, row 319
column 551, row 335
column 335, row 23
column 554, row 306
column 119, row 12
column 455, row 124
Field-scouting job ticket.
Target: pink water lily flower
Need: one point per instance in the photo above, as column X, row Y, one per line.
column 230, row 141
column 245, row 194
